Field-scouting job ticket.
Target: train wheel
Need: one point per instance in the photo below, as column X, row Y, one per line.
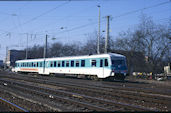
column 94, row 77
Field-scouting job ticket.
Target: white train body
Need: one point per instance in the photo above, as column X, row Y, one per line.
column 102, row 65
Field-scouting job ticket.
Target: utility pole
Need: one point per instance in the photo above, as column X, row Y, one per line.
column 5, row 66
column 27, row 47
column 107, row 35
column 9, row 34
column 98, row 37
column 45, row 52
column 45, row 48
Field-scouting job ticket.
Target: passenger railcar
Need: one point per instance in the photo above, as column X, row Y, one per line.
column 101, row 65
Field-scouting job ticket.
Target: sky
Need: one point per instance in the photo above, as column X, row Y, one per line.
column 71, row 21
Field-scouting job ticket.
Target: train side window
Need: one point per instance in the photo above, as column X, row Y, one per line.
column 51, row 64
column 93, row 63
column 72, row 63
column 47, row 64
column 101, row 63
column 37, row 64
column 32, row 64
column 54, row 63
column 67, row 63
column 63, row 63
column 59, row 64
column 82, row 63
column 77, row 63
column 106, row 62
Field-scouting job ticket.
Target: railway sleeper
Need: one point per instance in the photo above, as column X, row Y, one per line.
column 58, row 98
column 129, row 94
column 107, row 101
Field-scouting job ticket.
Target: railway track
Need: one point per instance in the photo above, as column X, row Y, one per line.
column 86, row 102
column 9, row 106
column 109, row 93
column 125, row 85
column 130, row 97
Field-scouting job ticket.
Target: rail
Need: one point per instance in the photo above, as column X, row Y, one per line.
column 13, row 105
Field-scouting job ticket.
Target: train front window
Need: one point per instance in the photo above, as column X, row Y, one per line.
column 119, row 64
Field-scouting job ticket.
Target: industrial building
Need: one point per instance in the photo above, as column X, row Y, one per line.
column 1, row 63
column 14, row 55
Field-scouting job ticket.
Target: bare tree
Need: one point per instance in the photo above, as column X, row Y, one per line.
column 35, row 52
column 148, row 38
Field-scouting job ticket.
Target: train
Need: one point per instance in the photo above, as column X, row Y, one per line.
column 109, row 65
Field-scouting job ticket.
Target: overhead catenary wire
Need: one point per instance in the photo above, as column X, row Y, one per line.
column 121, row 15
column 71, row 15
column 42, row 14
column 124, row 14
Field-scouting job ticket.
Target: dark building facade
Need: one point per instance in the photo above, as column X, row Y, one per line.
column 14, row 55
column 1, row 63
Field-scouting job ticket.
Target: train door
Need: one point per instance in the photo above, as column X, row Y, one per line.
column 105, row 67
column 102, row 67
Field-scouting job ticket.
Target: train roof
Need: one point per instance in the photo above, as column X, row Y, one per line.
column 75, row 57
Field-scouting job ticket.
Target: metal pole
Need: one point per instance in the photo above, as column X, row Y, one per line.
column 6, row 58
column 27, row 47
column 45, row 52
column 45, row 48
column 98, row 37
column 107, row 35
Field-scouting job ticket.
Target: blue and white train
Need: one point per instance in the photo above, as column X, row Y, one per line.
column 101, row 65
